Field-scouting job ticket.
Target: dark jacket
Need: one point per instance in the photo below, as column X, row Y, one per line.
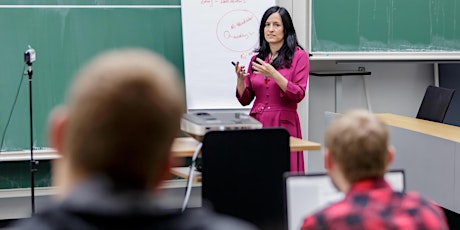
column 98, row 204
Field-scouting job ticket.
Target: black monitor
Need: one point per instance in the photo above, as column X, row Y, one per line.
column 242, row 174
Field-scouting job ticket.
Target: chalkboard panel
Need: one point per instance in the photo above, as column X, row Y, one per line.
column 393, row 29
column 16, row 174
column 65, row 37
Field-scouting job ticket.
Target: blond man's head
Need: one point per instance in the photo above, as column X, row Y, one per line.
column 358, row 143
column 122, row 114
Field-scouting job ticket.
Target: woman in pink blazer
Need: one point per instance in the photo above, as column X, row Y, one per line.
column 277, row 77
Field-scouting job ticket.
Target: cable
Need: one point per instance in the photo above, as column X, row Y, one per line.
column 188, row 189
column 12, row 109
column 369, row 107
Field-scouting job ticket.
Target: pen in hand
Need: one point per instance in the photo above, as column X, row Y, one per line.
column 239, row 70
column 237, row 66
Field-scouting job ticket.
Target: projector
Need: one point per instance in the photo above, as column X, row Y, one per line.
column 197, row 124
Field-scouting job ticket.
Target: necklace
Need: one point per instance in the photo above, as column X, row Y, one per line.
column 271, row 58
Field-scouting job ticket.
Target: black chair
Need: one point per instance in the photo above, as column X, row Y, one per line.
column 435, row 103
column 242, row 174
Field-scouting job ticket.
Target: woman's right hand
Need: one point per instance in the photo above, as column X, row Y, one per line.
column 240, row 71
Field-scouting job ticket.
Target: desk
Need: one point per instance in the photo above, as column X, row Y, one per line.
column 429, row 152
column 182, row 147
column 183, row 172
column 337, row 74
column 440, row 130
column 185, row 146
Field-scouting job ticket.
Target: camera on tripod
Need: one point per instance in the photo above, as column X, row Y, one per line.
column 29, row 56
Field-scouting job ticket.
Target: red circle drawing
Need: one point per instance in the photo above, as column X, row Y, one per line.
column 238, row 30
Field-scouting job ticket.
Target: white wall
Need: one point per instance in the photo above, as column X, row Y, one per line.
column 392, row 88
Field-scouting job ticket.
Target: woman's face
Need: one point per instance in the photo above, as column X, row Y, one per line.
column 274, row 30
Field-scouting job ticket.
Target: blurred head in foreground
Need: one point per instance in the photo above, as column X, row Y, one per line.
column 122, row 114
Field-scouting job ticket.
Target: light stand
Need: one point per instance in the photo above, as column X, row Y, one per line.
column 29, row 58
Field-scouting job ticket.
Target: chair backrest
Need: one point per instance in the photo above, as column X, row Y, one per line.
column 435, row 103
column 242, row 174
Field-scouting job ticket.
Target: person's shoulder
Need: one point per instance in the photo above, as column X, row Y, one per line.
column 431, row 216
column 312, row 221
column 414, row 199
column 254, row 57
column 52, row 217
column 191, row 219
column 202, row 218
column 300, row 53
column 324, row 217
column 40, row 221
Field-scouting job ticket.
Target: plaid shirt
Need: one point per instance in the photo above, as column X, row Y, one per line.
column 372, row 204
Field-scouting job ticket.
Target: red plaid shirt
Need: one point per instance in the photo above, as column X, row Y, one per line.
column 372, row 204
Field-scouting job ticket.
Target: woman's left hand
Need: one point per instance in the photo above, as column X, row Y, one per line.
column 261, row 67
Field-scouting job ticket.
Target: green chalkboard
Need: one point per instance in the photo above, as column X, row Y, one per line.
column 65, row 37
column 16, row 174
column 393, row 28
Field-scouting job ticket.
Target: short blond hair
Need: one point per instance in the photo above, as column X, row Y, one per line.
column 124, row 112
column 358, row 141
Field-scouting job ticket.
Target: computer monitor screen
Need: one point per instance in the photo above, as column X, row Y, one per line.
column 307, row 193
column 242, row 174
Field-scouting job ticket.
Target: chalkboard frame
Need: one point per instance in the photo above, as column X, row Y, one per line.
column 390, row 55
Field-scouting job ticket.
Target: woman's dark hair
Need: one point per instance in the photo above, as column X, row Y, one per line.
column 286, row 51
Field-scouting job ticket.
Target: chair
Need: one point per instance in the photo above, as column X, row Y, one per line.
column 435, row 103
column 242, row 174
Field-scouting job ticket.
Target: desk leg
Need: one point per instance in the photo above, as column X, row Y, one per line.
column 338, row 93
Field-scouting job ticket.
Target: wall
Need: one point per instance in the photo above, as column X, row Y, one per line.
column 392, row 88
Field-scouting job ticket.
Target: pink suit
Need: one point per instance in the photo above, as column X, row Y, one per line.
column 275, row 108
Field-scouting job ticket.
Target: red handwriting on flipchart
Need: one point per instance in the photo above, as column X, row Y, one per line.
column 237, row 30
column 229, row 35
column 210, row 3
column 242, row 22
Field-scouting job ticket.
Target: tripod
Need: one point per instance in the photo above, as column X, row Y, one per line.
column 29, row 57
